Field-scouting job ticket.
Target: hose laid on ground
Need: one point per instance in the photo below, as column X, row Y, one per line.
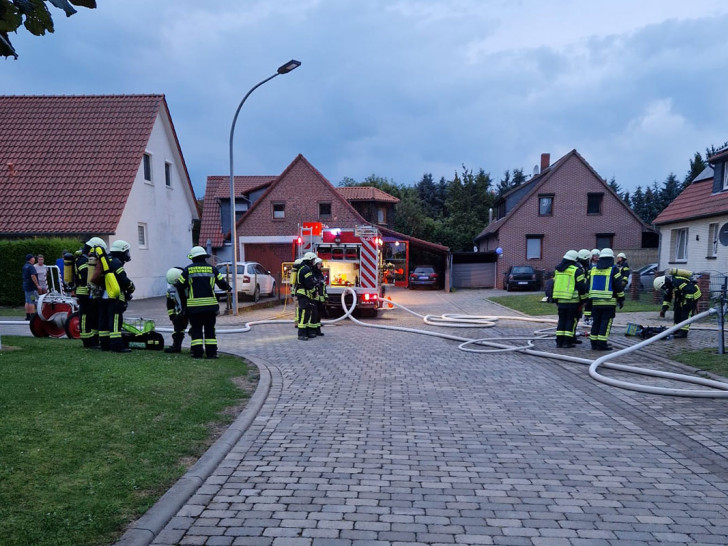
column 489, row 321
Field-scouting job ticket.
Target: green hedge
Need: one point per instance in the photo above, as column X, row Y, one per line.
column 12, row 259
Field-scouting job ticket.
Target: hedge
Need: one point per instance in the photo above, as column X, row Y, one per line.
column 12, row 259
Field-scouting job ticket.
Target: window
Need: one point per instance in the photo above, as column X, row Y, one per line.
column 713, row 231
column 324, row 211
column 545, row 205
column 679, row 249
column 594, row 203
column 168, row 174
column 605, row 240
column 381, row 215
column 147, row 162
column 533, row 247
column 725, row 176
column 142, row 235
column 279, row 211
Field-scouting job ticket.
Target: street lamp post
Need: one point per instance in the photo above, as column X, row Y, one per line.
column 283, row 69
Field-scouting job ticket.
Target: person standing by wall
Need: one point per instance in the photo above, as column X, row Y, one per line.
column 305, row 295
column 199, row 279
column 624, row 269
column 41, row 270
column 30, row 285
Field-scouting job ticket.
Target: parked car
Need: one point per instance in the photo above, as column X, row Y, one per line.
column 252, row 280
column 647, row 275
column 423, row 275
column 522, row 277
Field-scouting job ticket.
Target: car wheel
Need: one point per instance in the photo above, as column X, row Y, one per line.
column 256, row 294
column 508, row 287
column 273, row 290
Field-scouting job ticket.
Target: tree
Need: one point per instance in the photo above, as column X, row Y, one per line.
column 34, row 16
column 697, row 165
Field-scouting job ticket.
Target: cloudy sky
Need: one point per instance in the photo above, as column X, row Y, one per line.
column 401, row 88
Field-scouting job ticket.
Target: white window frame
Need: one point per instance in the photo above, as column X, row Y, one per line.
column 142, row 238
column 725, row 176
column 530, row 248
column 713, row 230
column 147, row 158
column 279, row 214
column 168, row 174
column 680, row 245
column 381, row 215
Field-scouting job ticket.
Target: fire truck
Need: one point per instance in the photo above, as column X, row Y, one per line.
column 351, row 258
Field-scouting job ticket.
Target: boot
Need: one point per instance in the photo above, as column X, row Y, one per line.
column 569, row 343
column 173, row 349
column 559, row 341
column 319, row 332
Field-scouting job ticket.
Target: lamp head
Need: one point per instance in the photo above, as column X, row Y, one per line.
column 290, row 65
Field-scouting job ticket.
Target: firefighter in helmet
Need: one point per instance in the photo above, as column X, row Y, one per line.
column 199, row 279
column 294, row 286
column 624, row 269
column 569, row 291
column 677, row 286
column 305, row 287
column 606, row 292
column 319, row 295
column 87, row 294
column 118, row 291
column 176, row 309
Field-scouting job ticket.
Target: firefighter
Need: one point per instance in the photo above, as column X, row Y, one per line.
column 176, row 309
column 199, row 280
column 624, row 269
column 606, row 292
column 569, row 291
column 319, row 295
column 294, row 287
column 678, row 286
column 305, row 287
column 89, row 294
column 118, row 292
column 584, row 262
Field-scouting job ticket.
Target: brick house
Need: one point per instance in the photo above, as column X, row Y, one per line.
column 108, row 166
column 271, row 210
column 565, row 206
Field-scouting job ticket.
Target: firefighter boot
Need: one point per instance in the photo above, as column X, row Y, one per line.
column 176, row 346
column 559, row 341
column 568, row 342
column 311, row 332
column 318, row 331
column 302, row 335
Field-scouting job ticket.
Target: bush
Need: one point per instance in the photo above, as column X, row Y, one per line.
column 13, row 258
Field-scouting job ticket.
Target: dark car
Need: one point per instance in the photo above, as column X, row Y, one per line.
column 647, row 275
column 522, row 277
column 423, row 275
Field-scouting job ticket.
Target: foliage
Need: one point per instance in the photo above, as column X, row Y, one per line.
column 13, row 252
column 91, row 440
column 34, row 16
column 532, row 304
column 705, row 359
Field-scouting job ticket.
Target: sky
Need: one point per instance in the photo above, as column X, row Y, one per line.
column 403, row 88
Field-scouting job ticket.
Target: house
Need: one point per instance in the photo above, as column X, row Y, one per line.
column 272, row 211
column 564, row 206
column 694, row 227
column 108, row 166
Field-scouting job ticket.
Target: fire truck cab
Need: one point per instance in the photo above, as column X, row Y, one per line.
column 351, row 258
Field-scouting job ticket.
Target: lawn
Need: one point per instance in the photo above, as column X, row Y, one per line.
column 531, row 304
column 90, row 440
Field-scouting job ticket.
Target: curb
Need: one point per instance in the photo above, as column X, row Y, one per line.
column 143, row 531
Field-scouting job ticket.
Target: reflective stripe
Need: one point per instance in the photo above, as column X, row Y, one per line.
column 199, row 302
column 565, row 285
column 600, row 284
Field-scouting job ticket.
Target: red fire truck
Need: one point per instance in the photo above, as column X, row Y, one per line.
column 351, row 258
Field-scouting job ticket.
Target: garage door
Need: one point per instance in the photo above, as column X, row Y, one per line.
column 480, row 275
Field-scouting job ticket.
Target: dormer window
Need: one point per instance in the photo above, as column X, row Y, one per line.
column 725, row 176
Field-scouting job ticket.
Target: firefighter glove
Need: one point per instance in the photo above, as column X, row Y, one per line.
column 663, row 311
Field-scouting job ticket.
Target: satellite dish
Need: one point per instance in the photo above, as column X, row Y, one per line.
column 535, row 170
column 723, row 235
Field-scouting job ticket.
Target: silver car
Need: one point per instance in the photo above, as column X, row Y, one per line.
column 252, row 280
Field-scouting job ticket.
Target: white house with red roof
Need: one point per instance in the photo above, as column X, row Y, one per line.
column 108, row 166
column 694, row 227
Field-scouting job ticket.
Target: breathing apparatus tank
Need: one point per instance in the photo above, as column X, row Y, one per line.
column 68, row 260
column 674, row 271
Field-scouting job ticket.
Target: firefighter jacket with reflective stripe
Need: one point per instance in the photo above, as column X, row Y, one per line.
column 121, row 280
column 569, row 283
column 683, row 289
column 320, row 284
column 305, row 285
column 80, row 275
column 605, row 285
column 624, row 271
column 199, row 280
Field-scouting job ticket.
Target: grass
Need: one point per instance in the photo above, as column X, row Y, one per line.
column 91, row 440
column 705, row 359
column 531, row 304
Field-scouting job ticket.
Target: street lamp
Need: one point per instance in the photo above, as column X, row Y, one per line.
column 283, row 69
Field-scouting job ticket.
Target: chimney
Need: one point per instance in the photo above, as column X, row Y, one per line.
column 545, row 161
column 490, row 215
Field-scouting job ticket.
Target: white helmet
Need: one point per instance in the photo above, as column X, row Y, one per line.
column 584, row 254
column 309, row 256
column 196, row 252
column 297, row 261
column 96, row 241
column 571, row 255
column 659, row 282
column 622, row 255
column 606, row 253
column 173, row 274
column 595, row 252
column 119, row 246
column 318, row 261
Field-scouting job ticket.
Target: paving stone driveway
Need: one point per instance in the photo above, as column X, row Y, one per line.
column 384, row 437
